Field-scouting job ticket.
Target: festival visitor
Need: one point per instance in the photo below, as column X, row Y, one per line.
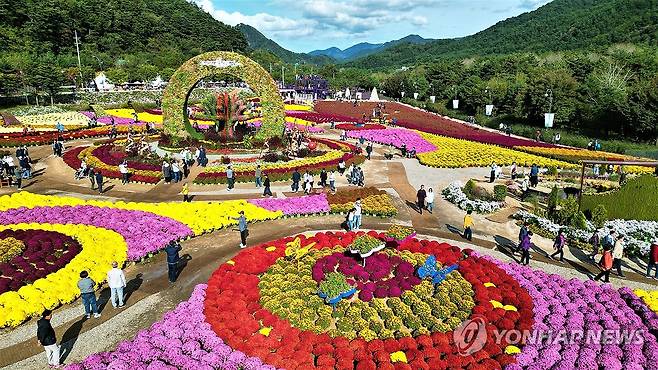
column 513, row 170
column 609, row 240
column 172, row 250
column 343, row 135
column 266, row 185
column 332, row 181
column 123, row 169
column 175, row 171
column 618, row 255
column 403, row 150
column 116, row 280
column 258, row 175
column 605, row 264
column 323, row 178
column 534, row 175
column 202, row 158
column 24, row 162
column 492, row 174
column 420, row 198
column 166, row 171
column 368, row 150
column 307, row 187
column 468, row 224
column 92, row 177
column 186, row 169
column 357, row 214
column 296, row 177
column 596, row 170
column 230, row 177
column 18, row 178
column 349, row 219
column 186, row 192
column 57, row 147
column 99, row 181
column 525, row 248
column 430, row 200
column 48, row 339
column 595, row 242
column 558, row 245
column 652, row 263
column 341, row 166
column 86, row 286
column 242, row 226
column 525, row 228
column 59, row 127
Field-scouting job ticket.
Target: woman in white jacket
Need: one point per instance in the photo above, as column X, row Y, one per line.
column 430, row 200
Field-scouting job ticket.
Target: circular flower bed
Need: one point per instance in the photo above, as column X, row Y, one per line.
column 266, row 305
column 32, row 254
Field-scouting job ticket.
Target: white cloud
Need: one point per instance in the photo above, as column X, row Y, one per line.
column 532, row 4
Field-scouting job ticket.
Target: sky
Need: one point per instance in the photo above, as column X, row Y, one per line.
column 306, row 25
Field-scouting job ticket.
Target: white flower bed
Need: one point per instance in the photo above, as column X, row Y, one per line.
column 638, row 234
column 455, row 195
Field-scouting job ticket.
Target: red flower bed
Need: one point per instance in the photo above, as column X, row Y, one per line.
column 45, row 252
column 353, row 127
column 71, row 158
column 107, row 155
column 233, row 310
column 428, row 122
column 323, row 117
column 45, row 138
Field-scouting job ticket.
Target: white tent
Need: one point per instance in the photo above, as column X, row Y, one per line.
column 347, row 93
column 102, row 82
column 373, row 95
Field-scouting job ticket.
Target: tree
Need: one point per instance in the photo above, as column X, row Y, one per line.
column 117, row 75
column 44, row 75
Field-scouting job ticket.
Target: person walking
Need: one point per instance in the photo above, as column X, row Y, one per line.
column 430, row 200
column 558, row 245
column 242, row 227
column 99, row 181
column 186, row 192
column 534, row 175
column 48, row 339
column 512, row 171
column 522, row 233
column 605, row 264
column 618, row 255
column 175, row 171
column 92, row 177
column 525, row 245
column 595, row 242
column 258, row 174
column 86, row 286
column 350, row 220
column 172, row 250
column 18, row 178
column 341, row 166
column 357, row 214
column 368, row 150
column 296, row 177
column 420, row 198
column 323, row 178
column 166, row 171
column 468, row 224
column 123, row 169
column 492, row 174
column 266, row 184
column 230, row 178
column 332, row 181
column 652, row 263
column 116, row 280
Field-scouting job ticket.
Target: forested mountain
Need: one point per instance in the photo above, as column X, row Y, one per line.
column 129, row 39
column 257, row 41
column 366, row 48
column 559, row 25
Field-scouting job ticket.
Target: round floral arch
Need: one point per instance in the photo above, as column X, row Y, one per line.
column 183, row 81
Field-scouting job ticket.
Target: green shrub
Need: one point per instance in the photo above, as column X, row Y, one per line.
column 500, row 192
column 553, row 200
column 469, row 187
column 635, row 200
column 552, row 170
column 599, row 215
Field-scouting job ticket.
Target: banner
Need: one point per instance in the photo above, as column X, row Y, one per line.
column 433, row 99
column 488, row 109
column 455, row 103
column 548, row 119
column 403, row 94
column 415, row 95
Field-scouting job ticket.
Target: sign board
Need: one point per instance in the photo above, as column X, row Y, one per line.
column 488, row 109
column 548, row 119
column 433, row 99
column 455, row 103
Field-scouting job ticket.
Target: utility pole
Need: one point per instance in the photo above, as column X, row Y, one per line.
column 283, row 76
column 77, row 49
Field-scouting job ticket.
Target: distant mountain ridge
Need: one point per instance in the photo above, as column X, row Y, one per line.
column 366, row 48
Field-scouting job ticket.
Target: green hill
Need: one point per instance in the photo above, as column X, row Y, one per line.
column 257, row 41
column 557, row 26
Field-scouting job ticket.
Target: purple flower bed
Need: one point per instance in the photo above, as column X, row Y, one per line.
column 45, row 252
column 566, row 307
column 181, row 340
column 144, row 232
column 649, row 317
column 383, row 276
column 309, row 204
column 395, row 137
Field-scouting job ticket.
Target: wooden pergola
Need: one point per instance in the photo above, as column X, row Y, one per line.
column 585, row 163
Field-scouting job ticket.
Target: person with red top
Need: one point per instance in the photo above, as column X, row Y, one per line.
column 605, row 264
column 653, row 259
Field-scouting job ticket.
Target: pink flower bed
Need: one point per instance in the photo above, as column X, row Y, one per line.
column 304, row 205
column 395, row 137
column 321, row 117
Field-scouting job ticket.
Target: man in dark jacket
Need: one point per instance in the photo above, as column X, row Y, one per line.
column 296, row 177
column 48, row 339
column 172, row 259
column 323, row 178
column 421, row 195
column 99, row 181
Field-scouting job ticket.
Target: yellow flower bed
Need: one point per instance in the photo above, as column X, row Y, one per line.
column 578, row 155
column 68, row 119
column 376, row 205
column 458, row 153
column 649, row 297
column 10, row 248
column 298, row 107
column 299, row 121
column 199, row 216
column 99, row 248
column 128, row 113
column 250, row 167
